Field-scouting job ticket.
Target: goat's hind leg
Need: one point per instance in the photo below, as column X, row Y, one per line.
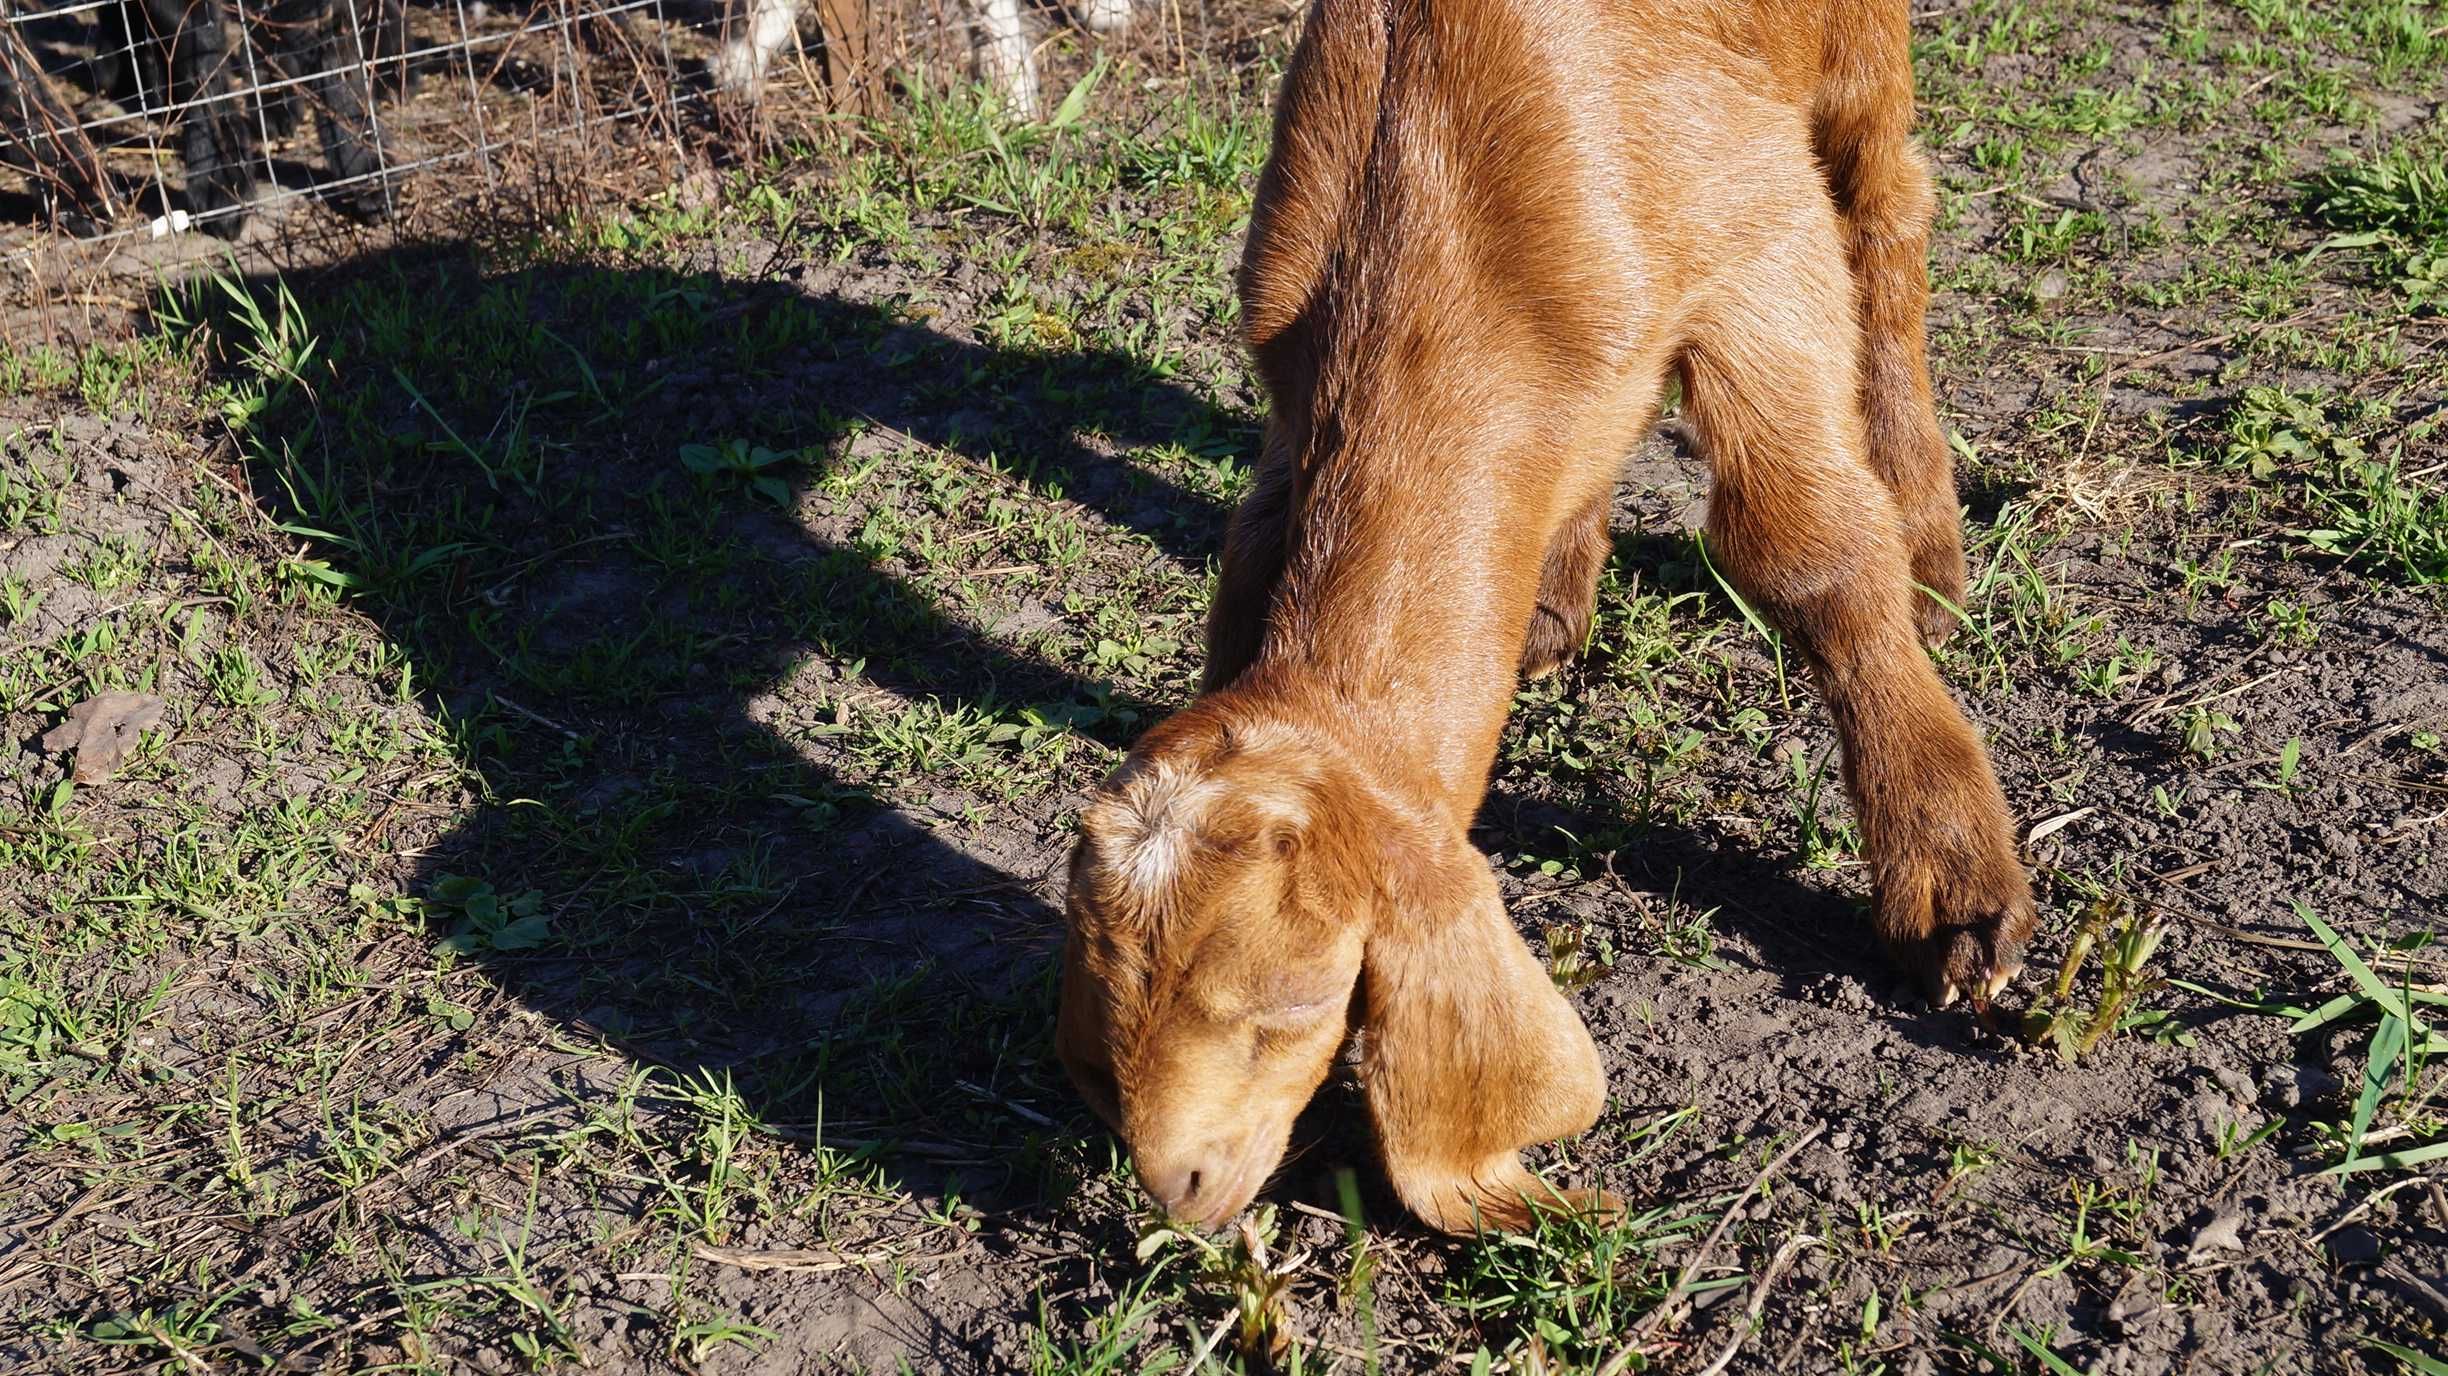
column 766, row 27
column 1006, row 59
column 1881, row 185
column 1813, row 536
column 334, row 47
column 1568, row 588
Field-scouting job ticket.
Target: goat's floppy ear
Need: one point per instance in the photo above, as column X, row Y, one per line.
column 1471, row 1054
column 1082, row 1025
column 1081, row 1033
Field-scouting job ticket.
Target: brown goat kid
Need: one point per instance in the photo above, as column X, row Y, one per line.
column 1488, row 232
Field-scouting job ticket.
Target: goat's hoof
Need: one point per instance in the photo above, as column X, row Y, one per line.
column 1976, row 958
column 1983, row 994
column 1545, row 1203
column 1514, row 1205
column 1597, row 1206
column 1957, row 915
column 1553, row 640
column 1939, row 597
column 1936, row 622
column 366, row 205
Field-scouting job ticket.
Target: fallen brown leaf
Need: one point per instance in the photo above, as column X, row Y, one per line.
column 102, row 730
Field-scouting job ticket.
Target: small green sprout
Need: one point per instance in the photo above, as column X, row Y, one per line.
column 2127, row 941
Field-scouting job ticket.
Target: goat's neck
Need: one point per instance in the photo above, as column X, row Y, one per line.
column 1409, row 579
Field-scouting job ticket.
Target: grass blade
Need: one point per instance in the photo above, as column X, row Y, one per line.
column 1776, row 643
column 2386, row 1042
column 1075, row 103
column 2039, row 1348
column 2371, row 983
column 2337, row 1008
column 2420, row 1363
column 2327, row 1013
column 2274, row 1007
column 2393, row 1160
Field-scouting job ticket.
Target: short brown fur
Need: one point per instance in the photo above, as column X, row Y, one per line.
column 1489, row 231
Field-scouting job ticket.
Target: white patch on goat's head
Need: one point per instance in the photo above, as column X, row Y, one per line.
column 1144, row 829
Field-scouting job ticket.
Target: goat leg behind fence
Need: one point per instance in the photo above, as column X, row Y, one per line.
column 283, row 60
column 39, row 136
column 352, row 146
column 1006, row 56
column 111, row 71
column 316, row 44
column 386, row 40
column 201, row 61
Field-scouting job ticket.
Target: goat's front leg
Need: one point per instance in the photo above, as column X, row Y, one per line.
column 1255, row 546
column 320, row 44
column 203, row 50
column 344, row 114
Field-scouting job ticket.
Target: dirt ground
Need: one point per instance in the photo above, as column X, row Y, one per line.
column 588, row 898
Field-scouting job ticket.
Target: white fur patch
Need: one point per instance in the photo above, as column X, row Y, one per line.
column 1148, row 828
column 1105, row 16
column 1005, row 57
column 742, row 64
column 1149, row 863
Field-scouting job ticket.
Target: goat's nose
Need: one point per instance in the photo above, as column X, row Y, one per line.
column 1177, row 1185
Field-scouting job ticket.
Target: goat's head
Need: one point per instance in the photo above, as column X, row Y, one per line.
column 1242, row 897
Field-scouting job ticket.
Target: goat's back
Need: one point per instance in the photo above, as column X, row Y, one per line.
column 1546, row 182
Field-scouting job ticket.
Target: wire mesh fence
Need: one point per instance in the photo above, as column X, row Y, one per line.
column 128, row 121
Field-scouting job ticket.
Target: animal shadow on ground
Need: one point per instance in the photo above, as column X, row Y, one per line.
column 650, row 651
column 648, row 662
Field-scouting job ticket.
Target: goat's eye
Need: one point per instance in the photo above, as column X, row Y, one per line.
column 1292, row 1014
